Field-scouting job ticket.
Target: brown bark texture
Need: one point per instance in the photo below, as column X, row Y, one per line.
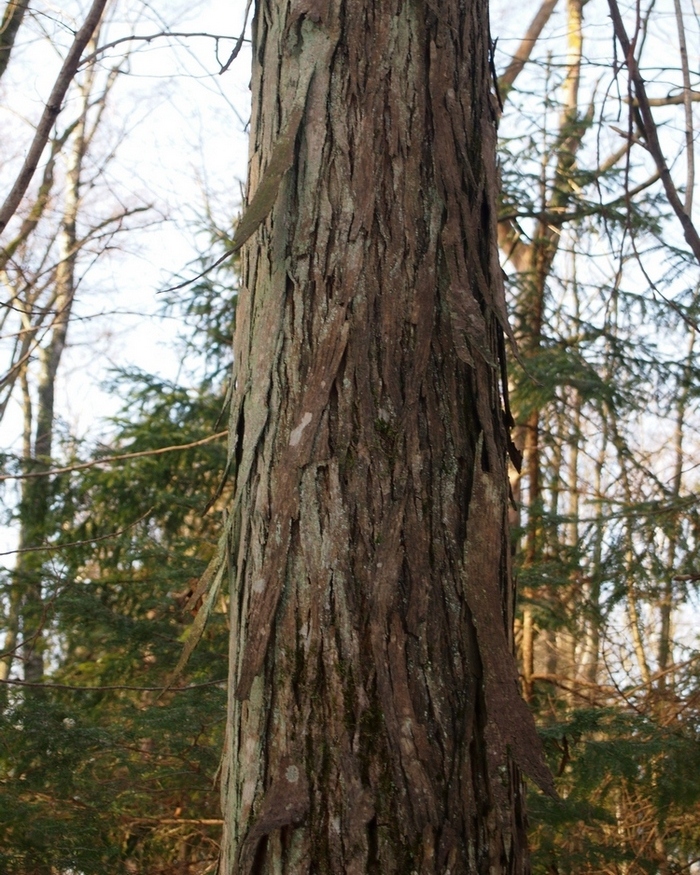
column 374, row 719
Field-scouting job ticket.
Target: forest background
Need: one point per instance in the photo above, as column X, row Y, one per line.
column 113, row 498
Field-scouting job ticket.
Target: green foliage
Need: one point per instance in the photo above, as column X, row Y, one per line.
column 625, row 779
column 105, row 769
column 605, row 400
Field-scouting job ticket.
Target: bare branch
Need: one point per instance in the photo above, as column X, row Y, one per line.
column 612, row 160
column 32, row 219
column 527, row 44
column 673, row 99
column 651, row 134
column 51, row 111
column 149, row 37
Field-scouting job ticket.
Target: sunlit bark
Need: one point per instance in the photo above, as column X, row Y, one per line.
column 372, row 682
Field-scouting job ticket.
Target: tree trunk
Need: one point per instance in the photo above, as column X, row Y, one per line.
column 36, row 492
column 373, row 692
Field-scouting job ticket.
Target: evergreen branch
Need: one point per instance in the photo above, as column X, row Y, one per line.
column 558, row 216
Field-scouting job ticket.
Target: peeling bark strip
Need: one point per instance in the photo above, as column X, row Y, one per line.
column 371, row 602
column 509, row 721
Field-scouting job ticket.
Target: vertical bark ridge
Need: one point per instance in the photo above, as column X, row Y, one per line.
column 366, row 397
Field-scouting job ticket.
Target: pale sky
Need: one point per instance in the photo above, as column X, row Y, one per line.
column 184, row 136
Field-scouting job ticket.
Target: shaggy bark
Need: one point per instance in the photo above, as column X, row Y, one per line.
column 373, row 694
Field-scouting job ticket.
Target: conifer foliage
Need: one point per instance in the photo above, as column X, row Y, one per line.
column 604, row 298
column 109, row 765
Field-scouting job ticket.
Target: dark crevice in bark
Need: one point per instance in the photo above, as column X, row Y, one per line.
column 373, row 862
column 258, row 867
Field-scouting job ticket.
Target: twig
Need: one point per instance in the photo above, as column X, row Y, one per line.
column 174, row 821
column 48, row 547
column 110, row 688
column 108, row 459
column 149, row 37
column 227, row 254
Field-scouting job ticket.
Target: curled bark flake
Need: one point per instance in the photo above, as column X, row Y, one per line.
column 204, row 595
column 281, row 160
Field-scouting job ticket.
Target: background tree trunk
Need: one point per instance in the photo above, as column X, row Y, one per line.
column 373, row 692
column 28, row 595
column 11, row 21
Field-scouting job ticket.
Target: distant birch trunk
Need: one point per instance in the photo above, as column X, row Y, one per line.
column 373, row 692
